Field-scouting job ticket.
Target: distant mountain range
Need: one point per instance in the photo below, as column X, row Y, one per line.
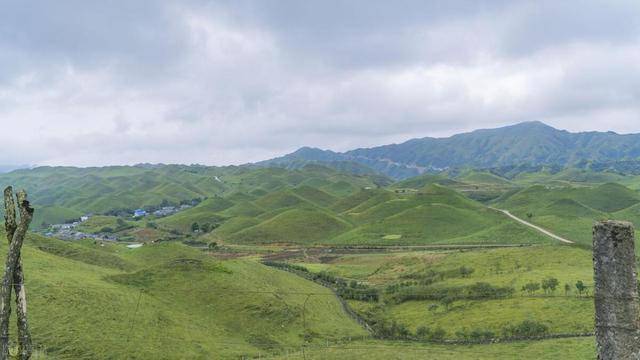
column 530, row 143
column 9, row 168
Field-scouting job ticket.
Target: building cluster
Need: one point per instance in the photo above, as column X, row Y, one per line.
column 68, row 232
column 163, row 211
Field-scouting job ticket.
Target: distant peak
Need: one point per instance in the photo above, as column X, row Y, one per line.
column 533, row 124
column 310, row 150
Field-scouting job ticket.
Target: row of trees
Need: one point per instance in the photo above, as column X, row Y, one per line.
column 432, row 276
column 447, row 295
column 393, row 330
column 349, row 290
column 549, row 286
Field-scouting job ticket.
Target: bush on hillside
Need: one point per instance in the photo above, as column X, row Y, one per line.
column 285, row 266
column 475, row 334
column 525, row 329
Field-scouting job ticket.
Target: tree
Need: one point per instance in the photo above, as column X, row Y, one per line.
column 581, row 287
column 195, row 227
column 447, row 301
column 531, row 287
column 549, row 285
column 438, row 334
column 206, row 227
column 212, row 245
column 422, row 332
column 529, row 215
column 497, row 267
column 465, row 271
column 567, row 289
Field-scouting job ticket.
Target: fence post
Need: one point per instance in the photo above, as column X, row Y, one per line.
column 615, row 291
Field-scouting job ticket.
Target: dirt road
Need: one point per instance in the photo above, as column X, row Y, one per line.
column 536, row 227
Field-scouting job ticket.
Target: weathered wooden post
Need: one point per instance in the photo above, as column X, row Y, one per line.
column 10, row 225
column 615, row 292
column 13, row 270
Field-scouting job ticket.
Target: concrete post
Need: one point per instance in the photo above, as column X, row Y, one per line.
column 615, row 292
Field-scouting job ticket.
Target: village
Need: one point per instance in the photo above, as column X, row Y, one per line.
column 69, row 230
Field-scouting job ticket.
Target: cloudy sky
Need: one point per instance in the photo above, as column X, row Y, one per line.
column 221, row 82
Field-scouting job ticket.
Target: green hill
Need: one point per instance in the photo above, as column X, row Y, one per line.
column 571, row 211
column 608, row 197
column 169, row 301
column 279, row 199
column 296, row 226
column 314, row 195
column 64, row 193
column 351, row 201
column 483, row 177
column 421, row 181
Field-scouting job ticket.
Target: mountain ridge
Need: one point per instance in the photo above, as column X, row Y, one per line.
column 532, row 143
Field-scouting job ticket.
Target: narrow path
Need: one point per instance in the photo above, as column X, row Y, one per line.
column 536, row 227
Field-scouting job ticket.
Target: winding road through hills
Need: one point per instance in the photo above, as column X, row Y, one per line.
column 536, row 227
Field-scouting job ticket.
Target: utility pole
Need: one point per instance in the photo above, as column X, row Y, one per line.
column 615, row 291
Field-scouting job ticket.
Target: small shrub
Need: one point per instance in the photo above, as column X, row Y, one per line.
column 437, row 335
column 422, row 332
column 525, row 329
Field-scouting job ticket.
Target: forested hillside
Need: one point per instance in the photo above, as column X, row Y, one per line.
column 530, row 144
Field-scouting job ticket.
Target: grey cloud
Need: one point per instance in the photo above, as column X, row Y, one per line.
column 234, row 81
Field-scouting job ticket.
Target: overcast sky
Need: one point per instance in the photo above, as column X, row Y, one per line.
column 223, row 82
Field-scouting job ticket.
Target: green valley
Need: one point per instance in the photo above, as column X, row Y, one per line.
column 241, row 261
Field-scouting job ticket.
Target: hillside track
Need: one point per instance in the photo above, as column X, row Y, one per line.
column 536, row 227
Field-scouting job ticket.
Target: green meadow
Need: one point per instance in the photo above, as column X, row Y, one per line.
column 169, row 301
column 443, row 263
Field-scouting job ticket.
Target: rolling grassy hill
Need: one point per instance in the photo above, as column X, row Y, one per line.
column 65, row 193
column 305, row 215
column 169, row 301
column 295, row 226
column 571, row 211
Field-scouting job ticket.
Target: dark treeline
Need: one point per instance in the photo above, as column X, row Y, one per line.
column 351, row 290
column 477, row 291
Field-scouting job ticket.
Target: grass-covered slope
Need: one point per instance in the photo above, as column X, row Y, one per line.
column 398, row 276
column 570, row 349
column 168, row 301
column 434, row 215
column 295, row 226
column 571, row 211
column 65, row 193
column 482, row 177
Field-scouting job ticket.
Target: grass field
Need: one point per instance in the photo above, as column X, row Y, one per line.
column 169, row 301
column 561, row 311
column 570, row 349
